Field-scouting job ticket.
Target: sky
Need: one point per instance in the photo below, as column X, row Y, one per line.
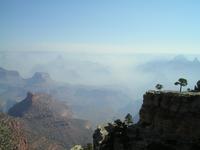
column 100, row 26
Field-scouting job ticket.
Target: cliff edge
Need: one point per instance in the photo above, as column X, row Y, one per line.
column 168, row 121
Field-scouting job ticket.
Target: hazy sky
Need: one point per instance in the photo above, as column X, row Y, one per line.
column 100, row 25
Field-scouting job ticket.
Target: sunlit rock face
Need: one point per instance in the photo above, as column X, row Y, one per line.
column 168, row 121
column 40, row 105
column 49, row 123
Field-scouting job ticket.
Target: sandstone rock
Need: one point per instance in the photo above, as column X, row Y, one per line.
column 168, row 121
column 49, row 123
column 12, row 136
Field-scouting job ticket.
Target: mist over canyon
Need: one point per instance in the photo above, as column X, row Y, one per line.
column 75, row 93
column 113, row 81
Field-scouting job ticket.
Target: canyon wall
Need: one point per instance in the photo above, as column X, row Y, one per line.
column 168, row 121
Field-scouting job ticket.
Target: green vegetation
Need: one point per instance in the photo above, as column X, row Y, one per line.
column 182, row 82
column 159, row 87
column 118, row 126
column 6, row 142
column 128, row 119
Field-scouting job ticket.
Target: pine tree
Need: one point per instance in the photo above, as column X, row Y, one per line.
column 128, row 119
column 182, row 82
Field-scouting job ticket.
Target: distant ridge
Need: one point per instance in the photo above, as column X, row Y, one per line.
column 40, row 77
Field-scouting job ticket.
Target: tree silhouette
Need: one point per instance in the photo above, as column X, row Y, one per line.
column 182, row 82
column 159, row 86
column 128, row 119
column 197, row 86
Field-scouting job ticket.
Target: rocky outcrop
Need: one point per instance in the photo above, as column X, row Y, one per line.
column 39, row 78
column 49, row 124
column 4, row 74
column 11, row 134
column 8, row 77
column 40, row 106
column 168, row 121
column 172, row 114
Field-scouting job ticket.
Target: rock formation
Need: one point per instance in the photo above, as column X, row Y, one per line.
column 84, row 100
column 40, row 77
column 11, row 134
column 168, row 121
column 49, row 124
column 8, row 77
